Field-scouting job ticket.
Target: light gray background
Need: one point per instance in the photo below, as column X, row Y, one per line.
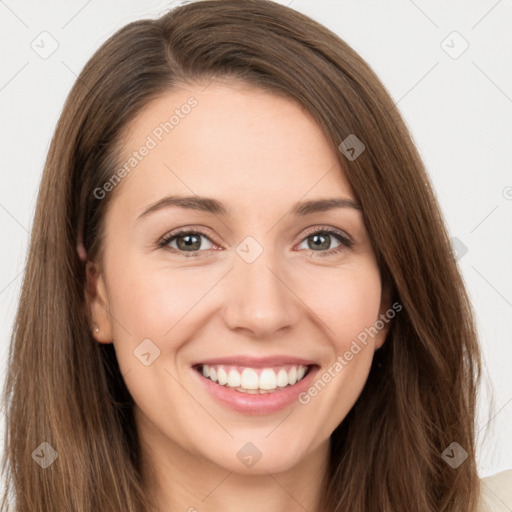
column 458, row 108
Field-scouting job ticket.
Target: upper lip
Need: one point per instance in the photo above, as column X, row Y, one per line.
column 255, row 362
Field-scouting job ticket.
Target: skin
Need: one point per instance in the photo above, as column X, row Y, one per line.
column 259, row 154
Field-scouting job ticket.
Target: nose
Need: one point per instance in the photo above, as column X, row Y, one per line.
column 260, row 297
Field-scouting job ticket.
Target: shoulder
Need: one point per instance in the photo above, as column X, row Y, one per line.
column 497, row 492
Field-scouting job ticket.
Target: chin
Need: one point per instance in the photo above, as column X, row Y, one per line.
column 251, row 459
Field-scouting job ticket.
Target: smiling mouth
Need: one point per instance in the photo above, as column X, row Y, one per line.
column 254, row 380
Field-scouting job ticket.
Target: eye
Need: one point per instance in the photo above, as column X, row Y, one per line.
column 319, row 239
column 185, row 241
column 189, row 242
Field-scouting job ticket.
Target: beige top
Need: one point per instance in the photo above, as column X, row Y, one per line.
column 497, row 492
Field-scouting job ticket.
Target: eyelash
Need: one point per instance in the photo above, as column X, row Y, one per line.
column 345, row 241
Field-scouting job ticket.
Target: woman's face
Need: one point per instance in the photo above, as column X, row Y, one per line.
column 252, row 291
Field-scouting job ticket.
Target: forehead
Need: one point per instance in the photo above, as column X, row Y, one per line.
column 241, row 145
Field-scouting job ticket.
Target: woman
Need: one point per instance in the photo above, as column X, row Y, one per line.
column 240, row 291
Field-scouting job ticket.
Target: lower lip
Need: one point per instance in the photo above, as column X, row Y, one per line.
column 255, row 403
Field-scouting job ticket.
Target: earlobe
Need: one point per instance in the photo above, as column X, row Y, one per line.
column 98, row 303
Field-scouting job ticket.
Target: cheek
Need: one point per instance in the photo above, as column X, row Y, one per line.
column 349, row 311
column 149, row 301
column 142, row 304
column 350, row 305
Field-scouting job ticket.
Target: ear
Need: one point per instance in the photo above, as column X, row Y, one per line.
column 384, row 317
column 98, row 303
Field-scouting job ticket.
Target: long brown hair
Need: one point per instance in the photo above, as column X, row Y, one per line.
column 65, row 389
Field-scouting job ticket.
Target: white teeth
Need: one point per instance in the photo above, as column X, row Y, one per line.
column 233, row 379
column 222, row 376
column 282, row 378
column 251, row 380
column 268, row 379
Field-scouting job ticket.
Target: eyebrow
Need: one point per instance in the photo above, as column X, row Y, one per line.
column 214, row 206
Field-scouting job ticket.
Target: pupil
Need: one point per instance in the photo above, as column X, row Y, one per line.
column 194, row 242
column 188, row 243
column 326, row 243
